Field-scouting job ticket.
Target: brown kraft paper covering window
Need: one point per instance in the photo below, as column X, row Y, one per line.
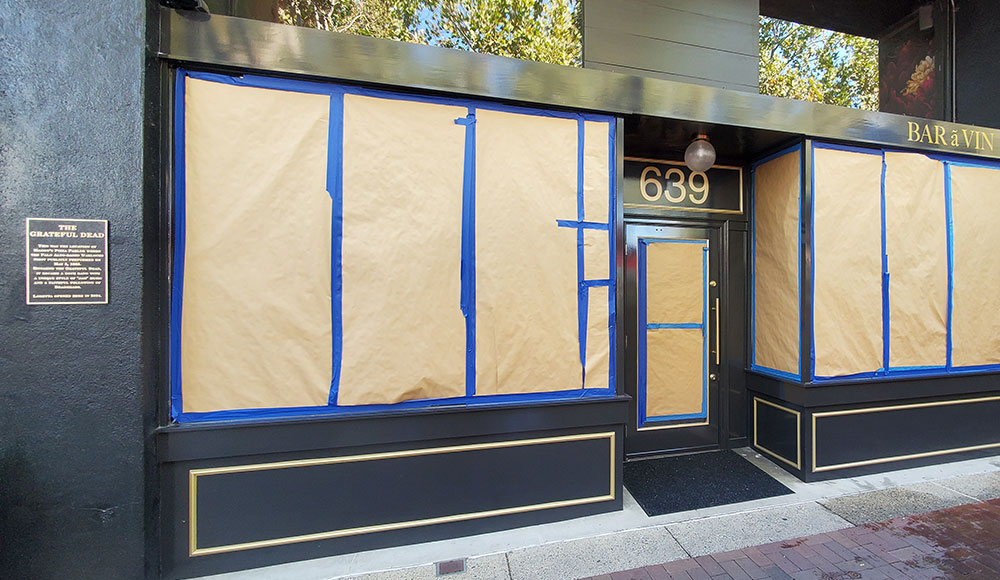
column 598, row 342
column 596, row 174
column 526, row 273
column 675, row 371
column 403, row 328
column 975, row 323
column 256, row 326
column 596, row 257
column 776, row 263
column 916, row 242
column 675, row 282
column 847, row 201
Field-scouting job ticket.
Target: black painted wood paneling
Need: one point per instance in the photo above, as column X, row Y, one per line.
column 711, row 42
column 873, row 435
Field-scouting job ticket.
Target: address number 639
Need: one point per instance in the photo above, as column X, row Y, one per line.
column 673, row 185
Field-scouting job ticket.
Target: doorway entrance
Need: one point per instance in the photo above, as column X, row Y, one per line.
column 675, row 338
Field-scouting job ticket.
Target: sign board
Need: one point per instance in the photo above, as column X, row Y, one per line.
column 659, row 184
column 66, row 261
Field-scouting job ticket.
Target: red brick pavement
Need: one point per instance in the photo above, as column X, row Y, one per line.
column 959, row 542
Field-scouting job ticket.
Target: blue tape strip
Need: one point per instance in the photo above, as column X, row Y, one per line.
column 704, row 332
column 851, row 148
column 612, row 253
column 644, row 326
column 674, row 241
column 468, row 266
column 950, row 229
column 177, row 286
column 583, row 294
column 596, row 283
column 775, row 373
column 753, row 267
column 773, row 156
column 256, row 415
column 335, row 187
column 812, row 274
column 581, row 225
column 640, row 390
column 885, row 279
column 262, row 82
column 301, row 86
column 983, row 164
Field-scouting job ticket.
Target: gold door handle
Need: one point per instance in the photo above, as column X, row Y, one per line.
column 716, row 332
column 713, row 377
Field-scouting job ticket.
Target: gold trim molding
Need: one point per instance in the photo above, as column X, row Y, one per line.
column 195, row 474
column 798, row 433
column 891, row 459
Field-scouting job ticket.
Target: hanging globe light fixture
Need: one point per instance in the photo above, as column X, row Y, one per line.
column 700, row 154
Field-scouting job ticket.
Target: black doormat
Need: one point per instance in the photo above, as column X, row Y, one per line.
column 690, row 482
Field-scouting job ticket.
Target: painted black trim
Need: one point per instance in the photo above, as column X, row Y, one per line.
column 227, row 440
column 887, row 390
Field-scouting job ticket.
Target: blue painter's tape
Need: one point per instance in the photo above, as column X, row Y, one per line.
column 753, row 267
column 851, row 148
column 595, row 283
column 262, row 82
column 885, row 278
column 468, row 265
column 583, row 293
column 177, row 286
column 812, row 273
column 704, row 333
column 864, row 375
column 641, row 346
column 256, row 415
column 983, row 164
column 644, row 326
column 335, row 187
column 784, row 375
column 581, row 225
column 950, row 229
column 921, row 369
column 773, row 156
column 612, row 251
column 301, row 86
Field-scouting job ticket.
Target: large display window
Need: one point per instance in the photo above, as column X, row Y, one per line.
column 900, row 264
column 341, row 250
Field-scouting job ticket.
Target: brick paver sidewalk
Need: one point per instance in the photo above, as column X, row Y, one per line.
column 959, row 542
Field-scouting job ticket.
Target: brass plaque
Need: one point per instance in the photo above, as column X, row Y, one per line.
column 66, row 261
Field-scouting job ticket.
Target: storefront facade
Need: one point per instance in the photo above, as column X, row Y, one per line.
column 393, row 293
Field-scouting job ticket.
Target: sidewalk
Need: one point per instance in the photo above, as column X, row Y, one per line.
column 629, row 540
column 958, row 542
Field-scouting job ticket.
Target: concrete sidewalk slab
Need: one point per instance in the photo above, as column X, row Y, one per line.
column 607, row 553
column 729, row 532
column 886, row 504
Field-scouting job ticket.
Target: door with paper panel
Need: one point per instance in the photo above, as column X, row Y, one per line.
column 674, row 313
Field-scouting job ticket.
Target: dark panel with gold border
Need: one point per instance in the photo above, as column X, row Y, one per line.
column 242, row 507
column 777, row 432
column 852, row 429
column 890, row 434
column 229, row 505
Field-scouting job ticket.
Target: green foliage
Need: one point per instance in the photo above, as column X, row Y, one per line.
column 540, row 30
column 812, row 64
